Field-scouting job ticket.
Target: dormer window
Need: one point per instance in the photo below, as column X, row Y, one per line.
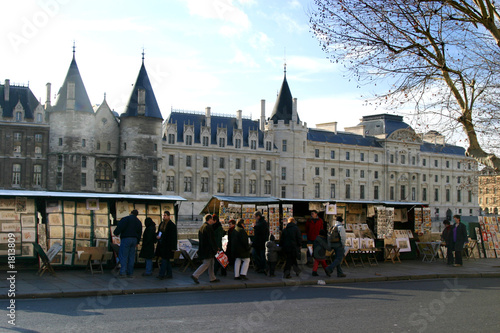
column 189, row 140
column 222, row 142
column 19, row 116
column 268, row 145
column 253, row 144
column 205, row 141
column 171, row 139
column 237, row 143
column 39, row 118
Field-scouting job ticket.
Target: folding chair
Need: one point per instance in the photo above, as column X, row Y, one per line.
column 187, row 261
column 47, row 258
column 468, row 251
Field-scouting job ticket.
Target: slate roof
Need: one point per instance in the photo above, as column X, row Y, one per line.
column 442, row 149
column 18, row 94
column 152, row 109
column 82, row 101
column 319, row 135
column 383, row 124
column 230, row 123
column 284, row 105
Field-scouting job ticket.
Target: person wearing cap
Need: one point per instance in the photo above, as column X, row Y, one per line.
column 445, row 238
column 129, row 229
column 336, row 238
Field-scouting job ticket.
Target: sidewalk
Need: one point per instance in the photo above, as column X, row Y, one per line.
column 79, row 283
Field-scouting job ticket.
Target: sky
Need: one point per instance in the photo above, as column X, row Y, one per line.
column 225, row 54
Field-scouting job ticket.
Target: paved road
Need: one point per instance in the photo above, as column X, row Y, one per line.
column 458, row 305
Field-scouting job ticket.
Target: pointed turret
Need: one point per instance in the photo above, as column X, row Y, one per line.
column 142, row 101
column 283, row 109
column 72, row 96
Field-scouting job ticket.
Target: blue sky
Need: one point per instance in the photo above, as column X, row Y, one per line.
column 226, row 54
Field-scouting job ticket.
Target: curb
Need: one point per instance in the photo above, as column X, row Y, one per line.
column 249, row 285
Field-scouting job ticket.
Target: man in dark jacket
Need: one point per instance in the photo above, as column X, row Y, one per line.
column 129, row 228
column 240, row 250
column 167, row 245
column 219, row 233
column 445, row 237
column 207, row 250
column 291, row 242
column 459, row 237
column 148, row 245
column 261, row 235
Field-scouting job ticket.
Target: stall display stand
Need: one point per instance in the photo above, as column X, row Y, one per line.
column 274, row 220
column 18, row 217
column 247, row 215
column 287, row 212
column 490, row 231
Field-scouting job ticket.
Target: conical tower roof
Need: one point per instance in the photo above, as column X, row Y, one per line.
column 284, row 104
column 151, row 106
column 82, row 101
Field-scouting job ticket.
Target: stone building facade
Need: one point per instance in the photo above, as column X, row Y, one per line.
column 199, row 154
column 489, row 191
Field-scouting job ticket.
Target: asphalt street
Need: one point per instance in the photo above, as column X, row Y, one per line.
column 441, row 305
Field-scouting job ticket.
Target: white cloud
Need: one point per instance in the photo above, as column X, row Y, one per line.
column 223, row 10
column 261, row 41
column 244, row 59
column 122, row 24
column 290, row 24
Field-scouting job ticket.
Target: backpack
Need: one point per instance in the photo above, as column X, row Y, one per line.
column 334, row 235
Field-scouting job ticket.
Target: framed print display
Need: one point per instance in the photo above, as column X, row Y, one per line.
column 8, row 203
column 82, row 243
column 101, row 243
column 154, row 210
column 101, row 220
column 101, row 232
column 51, row 242
column 69, row 219
column 122, row 209
column 28, row 221
column 4, row 237
column 55, row 231
column 55, row 219
column 11, row 227
column 141, row 208
column 27, row 250
column 53, row 206
column 21, row 205
column 92, row 204
column 28, row 235
column 8, row 215
column 69, row 207
column 68, row 258
column 81, row 208
column 68, row 245
column 82, row 233
column 83, row 220
column 403, row 244
column 69, row 232
column 103, row 208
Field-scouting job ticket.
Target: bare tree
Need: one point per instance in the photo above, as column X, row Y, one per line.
column 440, row 56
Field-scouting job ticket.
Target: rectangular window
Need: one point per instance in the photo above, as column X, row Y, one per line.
column 17, row 148
column 268, row 165
column 332, row 191
column 447, row 179
column 18, row 136
column 60, row 141
column 458, row 165
column 124, row 164
column 269, row 146
column 403, row 193
column 84, row 162
column 332, row 172
column 316, row 152
column 459, row 179
column 238, row 164
column 362, row 173
column 332, row 154
column 222, row 142
column 205, row 161
column 170, row 183
column 267, row 187
column 348, row 191
column 155, row 166
column 413, row 160
column 362, row 157
column 38, row 137
column 253, row 164
column 38, row 150
column 171, row 139
column 59, row 179
column 361, row 191
column 375, row 175
column 447, row 164
column 424, row 178
column 459, row 195
column 424, row 194
column 124, row 146
column 171, row 160
column 375, row 192
column 283, row 173
column 283, row 191
column 253, row 186
column 84, row 179
column 155, row 147
column 16, row 174
column 84, row 142
column 237, row 186
column 37, row 175
column 60, row 160
column 220, row 185
column 391, row 158
column 436, row 178
column 109, row 146
column 187, row 184
column 154, row 180
column 436, row 163
column 188, row 160
column 424, row 162
column 316, row 171
column 283, row 145
column 375, row 157
column 222, row 162
column 347, row 156
column 391, row 193
column 436, row 194
column 347, row 172
column 413, row 194
column 98, row 145
column 469, row 195
column 205, row 141
column 403, row 159
column 317, row 190
column 237, row 143
column 204, row 184
column 189, row 140
column 253, row 144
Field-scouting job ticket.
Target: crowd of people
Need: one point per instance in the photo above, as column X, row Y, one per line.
column 264, row 250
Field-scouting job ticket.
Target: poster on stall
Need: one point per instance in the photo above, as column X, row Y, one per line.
column 331, row 209
column 287, row 213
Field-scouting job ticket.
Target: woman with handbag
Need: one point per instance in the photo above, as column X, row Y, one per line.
column 240, row 250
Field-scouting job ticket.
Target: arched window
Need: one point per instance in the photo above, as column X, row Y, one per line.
column 104, row 171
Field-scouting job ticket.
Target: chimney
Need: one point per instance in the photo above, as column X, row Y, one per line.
column 141, row 102
column 294, row 111
column 240, row 121
column 262, row 114
column 207, row 116
column 70, row 97
column 47, row 102
column 6, row 90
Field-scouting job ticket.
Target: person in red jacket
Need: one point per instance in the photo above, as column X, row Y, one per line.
column 313, row 225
